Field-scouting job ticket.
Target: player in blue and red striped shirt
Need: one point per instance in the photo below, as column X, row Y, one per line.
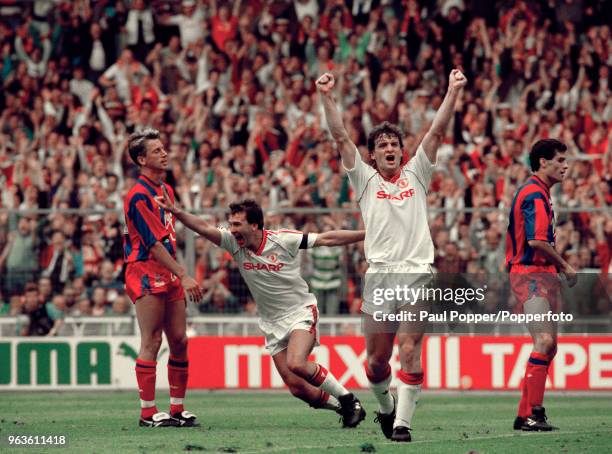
column 155, row 282
column 533, row 264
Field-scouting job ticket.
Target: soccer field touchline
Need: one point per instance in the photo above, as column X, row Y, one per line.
column 392, row 443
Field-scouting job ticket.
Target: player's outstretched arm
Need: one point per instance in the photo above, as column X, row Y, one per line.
column 347, row 148
column 211, row 233
column 552, row 254
column 431, row 141
column 339, row 237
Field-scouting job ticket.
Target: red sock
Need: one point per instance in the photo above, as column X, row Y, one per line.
column 145, row 376
column 536, row 379
column 414, row 378
column 321, row 400
column 318, row 377
column 178, row 372
column 523, row 408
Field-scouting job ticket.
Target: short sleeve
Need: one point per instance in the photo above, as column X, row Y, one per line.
column 312, row 239
column 291, row 240
column 359, row 174
column 535, row 215
column 228, row 242
column 422, row 167
column 111, row 72
column 147, row 223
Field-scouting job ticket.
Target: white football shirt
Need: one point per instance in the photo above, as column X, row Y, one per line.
column 272, row 273
column 395, row 211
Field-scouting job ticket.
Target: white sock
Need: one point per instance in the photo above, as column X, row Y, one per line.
column 331, row 404
column 407, row 398
column 332, row 386
column 147, row 403
column 383, row 395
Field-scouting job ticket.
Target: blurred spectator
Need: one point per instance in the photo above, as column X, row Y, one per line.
column 57, row 262
column 45, row 289
column 82, row 308
column 190, row 22
column 40, row 322
column 326, row 276
column 57, row 308
column 140, row 30
column 101, row 306
column 231, row 88
column 19, row 257
column 123, row 74
column 121, row 306
column 218, row 300
column 107, row 279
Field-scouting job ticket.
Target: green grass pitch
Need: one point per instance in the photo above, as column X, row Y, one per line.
column 247, row 422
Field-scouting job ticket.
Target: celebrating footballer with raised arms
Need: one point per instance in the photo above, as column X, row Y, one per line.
column 392, row 198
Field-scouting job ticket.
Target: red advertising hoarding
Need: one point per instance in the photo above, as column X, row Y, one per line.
column 449, row 362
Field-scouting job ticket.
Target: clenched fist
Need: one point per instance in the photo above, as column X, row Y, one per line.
column 325, row 83
column 456, row 80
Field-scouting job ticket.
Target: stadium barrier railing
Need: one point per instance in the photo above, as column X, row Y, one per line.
column 224, row 325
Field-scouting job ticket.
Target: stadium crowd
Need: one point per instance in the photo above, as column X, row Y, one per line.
column 231, row 88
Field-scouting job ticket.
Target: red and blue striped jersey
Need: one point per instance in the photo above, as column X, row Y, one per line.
column 531, row 218
column 146, row 221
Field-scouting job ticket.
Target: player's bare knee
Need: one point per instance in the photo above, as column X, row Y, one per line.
column 545, row 343
column 378, row 364
column 408, row 348
column 150, row 345
column 178, row 346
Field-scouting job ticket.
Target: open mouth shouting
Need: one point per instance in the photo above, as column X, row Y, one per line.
column 390, row 159
column 240, row 239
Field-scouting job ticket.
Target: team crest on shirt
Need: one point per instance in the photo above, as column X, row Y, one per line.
column 272, row 257
column 157, row 281
column 403, row 183
column 168, row 221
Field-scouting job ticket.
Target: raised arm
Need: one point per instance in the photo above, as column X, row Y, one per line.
column 339, row 237
column 211, row 233
column 434, row 136
column 325, row 83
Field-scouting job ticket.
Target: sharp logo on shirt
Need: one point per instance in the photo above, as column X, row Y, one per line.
column 401, row 196
column 249, row 266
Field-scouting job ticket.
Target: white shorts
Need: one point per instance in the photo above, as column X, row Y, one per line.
column 277, row 332
column 387, row 287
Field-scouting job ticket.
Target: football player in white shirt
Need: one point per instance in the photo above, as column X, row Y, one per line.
column 269, row 263
column 398, row 245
